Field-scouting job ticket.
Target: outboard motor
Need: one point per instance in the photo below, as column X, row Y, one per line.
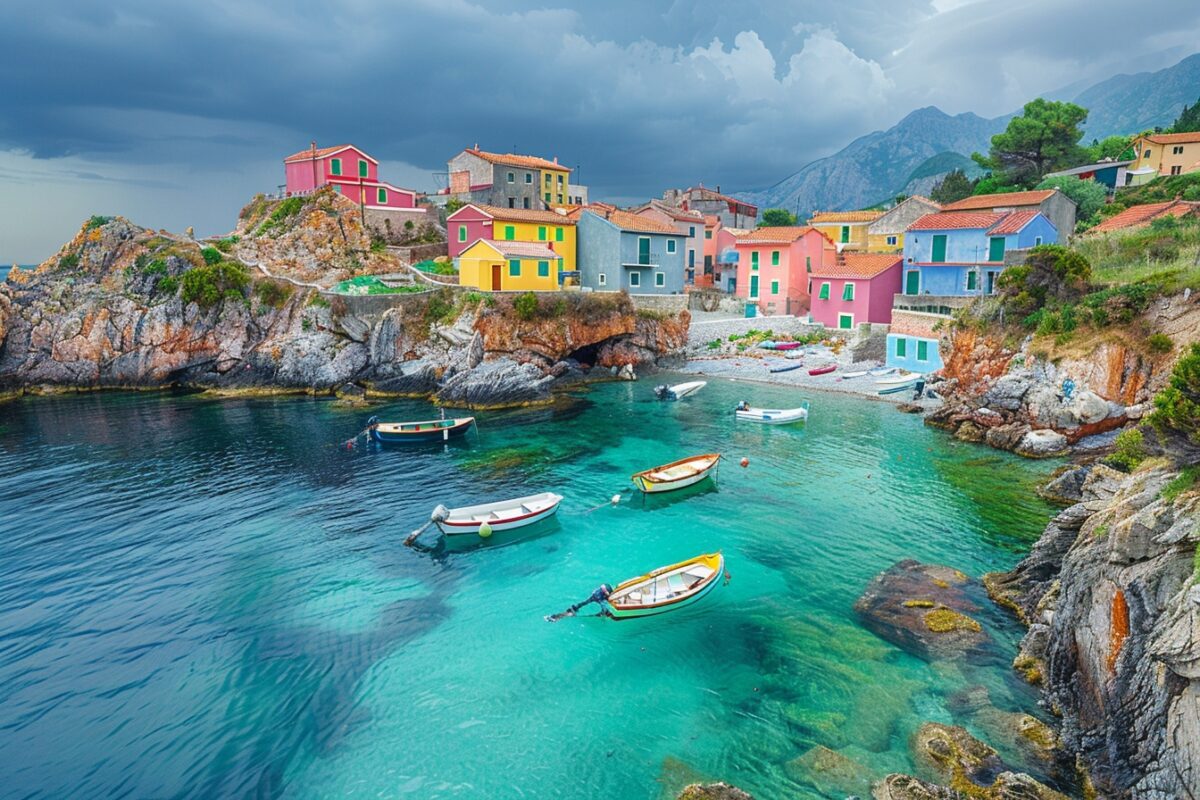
column 660, row 391
column 440, row 514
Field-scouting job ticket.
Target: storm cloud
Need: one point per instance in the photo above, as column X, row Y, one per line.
column 175, row 113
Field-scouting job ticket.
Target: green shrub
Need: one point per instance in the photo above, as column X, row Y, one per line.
column 1177, row 407
column 1130, row 450
column 226, row 245
column 715, row 344
column 168, row 284
column 318, row 300
column 155, row 267
column 441, row 307
column 273, row 293
column 95, row 222
column 378, row 243
column 1160, row 343
column 206, row 286
column 69, row 261
column 286, row 208
column 1183, row 482
column 526, row 306
column 211, row 255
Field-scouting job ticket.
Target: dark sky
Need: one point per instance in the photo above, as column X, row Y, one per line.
column 175, row 113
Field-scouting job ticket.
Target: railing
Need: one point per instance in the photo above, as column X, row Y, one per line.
column 651, row 259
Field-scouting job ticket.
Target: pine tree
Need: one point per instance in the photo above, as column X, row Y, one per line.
column 1189, row 119
column 954, row 186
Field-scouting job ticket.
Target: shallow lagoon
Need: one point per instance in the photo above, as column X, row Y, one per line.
column 206, row 597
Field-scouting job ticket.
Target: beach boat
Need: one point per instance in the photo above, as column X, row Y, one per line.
column 825, row 370
column 881, row 371
column 904, row 377
column 787, row 367
column 772, row 416
column 679, row 390
column 769, row 345
column 666, row 588
column 677, row 474
column 430, row 430
column 503, row 515
column 858, row 374
column 917, row 383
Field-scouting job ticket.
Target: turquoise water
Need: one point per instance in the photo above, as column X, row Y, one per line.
column 204, row 597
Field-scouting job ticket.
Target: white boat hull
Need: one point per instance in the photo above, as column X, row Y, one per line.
column 773, row 416
column 896, row 380
column 506, row 515
column 681, row 390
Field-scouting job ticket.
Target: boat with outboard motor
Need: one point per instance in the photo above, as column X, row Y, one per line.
column 679, row 390
column 430, row 430
column 771, row 416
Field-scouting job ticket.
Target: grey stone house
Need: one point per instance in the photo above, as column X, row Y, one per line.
column 732, row 212
column 508, row 180
column 886, row 234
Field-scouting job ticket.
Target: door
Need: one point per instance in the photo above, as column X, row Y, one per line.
column 496, row 269
column 996, row 249
column 753, row 287
column 939, row 249
column 643, row 250
column 991, row 282
column 912, row 282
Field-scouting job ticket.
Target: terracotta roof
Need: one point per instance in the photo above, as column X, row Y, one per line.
column 709, row 194
column 780, row 234
column 710, row 219
column 519, row 249
column 1174, row 138
column 524, row 214
column 677, row 213
column 1135, row 216
column 820, row 217
column 633, row 222
column 1014, row 222
column 950, row 220
column 1011, row 199
column 514, row 160
column 307, row 155
column 858, row 265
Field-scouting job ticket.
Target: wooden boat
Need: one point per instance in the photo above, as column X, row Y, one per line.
column 773, row 416
column 858, row 374
column 677, row 474
column 503, row 515
column 904, row 377
column 917, row 383
column 787, row 367
column 667, row 588
column 679, row 390
column 825, row 370
column 430, row 430
column 769, row 345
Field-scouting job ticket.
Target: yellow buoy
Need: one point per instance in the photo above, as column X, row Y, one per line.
column 485, row 530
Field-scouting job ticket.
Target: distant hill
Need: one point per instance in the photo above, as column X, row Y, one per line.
column 906, row 157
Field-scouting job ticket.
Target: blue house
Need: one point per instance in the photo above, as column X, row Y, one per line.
column 619, row 250
column 960, row 253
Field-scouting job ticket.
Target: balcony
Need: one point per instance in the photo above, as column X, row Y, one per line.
column 651, row 259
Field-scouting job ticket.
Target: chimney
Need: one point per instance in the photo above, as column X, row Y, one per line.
column 718, row 188
column 556, row 159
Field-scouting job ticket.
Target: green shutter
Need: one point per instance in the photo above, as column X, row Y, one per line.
column 541, row 233
column 971, row 284
column 901, row 348
column 514, row 268
column 510, row 232
column 543, row 269
column 774, row 258
column 462, row 233
column 644, row 250
column 335, row 166
column 753, row 286
column 845, row 321
column 912, row 282
column 362, row 168
column 845, row 233
column 848, row 291
column 547, row 198
column 939, row 249
column 808, row 263
column 922, row 350
column 824, row 295
column 754, row 260
column 558, row 234
column 996, row 249
column 381, row 195
column 774, row 287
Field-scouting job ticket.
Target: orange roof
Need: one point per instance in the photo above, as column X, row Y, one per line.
column 523, row 214
column 678, row 213
column 514, row 160
column 858, row 265
column 1014, row 221
column 947, row 220
column 634, row 222
column 779, row 234
column 1143, row 214
column 307, row 155
column 1011, row 199
column 820, row 217
column 1174, row 138
column 709, row 219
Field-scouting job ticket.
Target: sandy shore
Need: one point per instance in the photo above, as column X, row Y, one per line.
column 756, row 368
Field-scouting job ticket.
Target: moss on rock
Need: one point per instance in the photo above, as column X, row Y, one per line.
column 943, row 620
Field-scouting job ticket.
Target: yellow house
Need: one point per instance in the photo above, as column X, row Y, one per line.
column 847, row 229
column 509, row 266
column 1163, row 154
column 478, row 221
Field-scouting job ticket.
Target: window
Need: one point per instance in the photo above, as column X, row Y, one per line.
column 808, row 263
column 529, row 177
column 381, row 196
column 845, row 321
column 848, row 291
column 810, row 286
column 558, row 234
column 891, row 240
column 560, row 180
column 774, row 258
column 512, row 178
column 939, row 249
column 558, row 198
column 972, row 281
column 901, row 348
column 708, row 234
column 547, row 196
column 510, row 232
column 922, row 350
column 362, row 168
column 512, row 203
column 774, row 287
column 1037, row 240
column 335, row 166
column 996, row 249
column 845, row 233
column 671, row 245
column 543, row 269
column 602, row 279
column 547, row 178
column 1147, row 153
column 1177, row 150
column 754, row 260
column 1175, row 170
column 524, row 202
column 541, row 233
column 824, row 291
column 660, row 279
column 635, row 279
column 691, row 231
column 462, row 233
column 643, row 249
column 514, row 268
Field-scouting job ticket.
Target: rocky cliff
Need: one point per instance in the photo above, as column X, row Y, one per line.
column 1111, row 597
column 120, row 306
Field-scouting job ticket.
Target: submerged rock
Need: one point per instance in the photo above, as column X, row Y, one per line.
column 829, row 772
column 905, row 787
column 713, row 791
column 502, row 382
column 924, row 609
column 954, row 756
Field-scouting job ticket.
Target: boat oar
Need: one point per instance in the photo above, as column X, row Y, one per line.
column 599, row 596
column 439, row 515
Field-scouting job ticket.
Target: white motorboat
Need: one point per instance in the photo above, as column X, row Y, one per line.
column 679, row 390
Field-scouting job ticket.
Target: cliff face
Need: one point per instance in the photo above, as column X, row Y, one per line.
column 1111, row 597
column 125, row 307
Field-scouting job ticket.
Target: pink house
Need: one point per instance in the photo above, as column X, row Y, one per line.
column 855, row 288
column 349, row 171
column 774, row 263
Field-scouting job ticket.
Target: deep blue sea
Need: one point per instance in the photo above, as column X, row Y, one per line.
column 205, row 597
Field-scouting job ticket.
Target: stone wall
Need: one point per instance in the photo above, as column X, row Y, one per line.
column 713, row 302
column 412, row 254
column 918, row 323
column 667, row 303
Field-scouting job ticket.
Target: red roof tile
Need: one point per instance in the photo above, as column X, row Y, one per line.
column 950, row 220
column 1014, row 222
column 858, row 265
column 634, row 222
column 1174, row 138
column 779, row 234
column 1135, row 216
column 307, row 155
column 514, row 160
column 522, row 214
column 1003, row 200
